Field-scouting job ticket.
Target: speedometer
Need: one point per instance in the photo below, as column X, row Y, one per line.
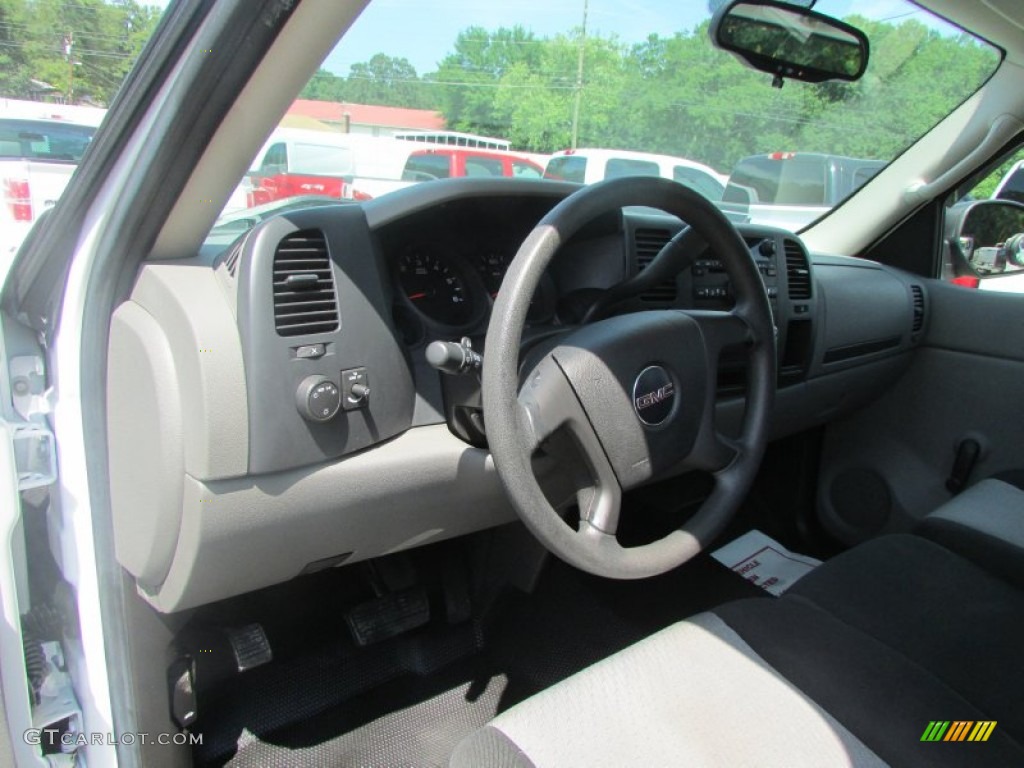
column 434, row 287
column 492, row 265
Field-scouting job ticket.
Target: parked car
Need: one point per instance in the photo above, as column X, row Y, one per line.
column 468, row 474
column 37, row 160
column 586, row 166
column 297, row 162
column 447, row 163
column 792, row 189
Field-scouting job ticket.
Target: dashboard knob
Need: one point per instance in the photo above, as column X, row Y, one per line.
column 318, row 398
column 767, row 248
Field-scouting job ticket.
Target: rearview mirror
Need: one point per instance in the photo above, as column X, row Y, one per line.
column 987, row 238
column 790, row 42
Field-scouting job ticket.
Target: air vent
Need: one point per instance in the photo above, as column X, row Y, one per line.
column 304, row 299
column 648, row 244
column 918, row 293
column 798, row 271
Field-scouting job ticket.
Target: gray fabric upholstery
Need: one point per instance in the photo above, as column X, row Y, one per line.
column 882, row 696
column 945, row 613
column 991, row 507
column 694, row 694
column 985, row 524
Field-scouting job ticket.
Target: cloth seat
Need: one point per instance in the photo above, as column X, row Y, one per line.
column 848, row 668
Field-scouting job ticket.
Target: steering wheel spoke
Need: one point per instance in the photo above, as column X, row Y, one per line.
column 600, row 504
column 721, row 330
column 548, row 404
column 714, row 451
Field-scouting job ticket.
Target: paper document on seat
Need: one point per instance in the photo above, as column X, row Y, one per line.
column 763, row 561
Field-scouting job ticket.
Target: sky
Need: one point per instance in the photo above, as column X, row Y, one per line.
column 432, row 31
column 424, row 31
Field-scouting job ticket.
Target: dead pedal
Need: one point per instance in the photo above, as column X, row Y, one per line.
column 387, row 616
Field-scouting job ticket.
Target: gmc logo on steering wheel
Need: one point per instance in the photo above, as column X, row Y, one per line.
column 653, row 398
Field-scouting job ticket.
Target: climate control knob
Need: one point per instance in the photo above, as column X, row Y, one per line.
column 318, row 398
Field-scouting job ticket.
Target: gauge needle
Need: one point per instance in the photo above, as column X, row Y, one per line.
column 415, row 296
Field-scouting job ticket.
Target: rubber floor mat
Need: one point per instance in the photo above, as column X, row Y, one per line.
column 378, row 709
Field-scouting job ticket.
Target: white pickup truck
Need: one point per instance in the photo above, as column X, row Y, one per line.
column 37, row 158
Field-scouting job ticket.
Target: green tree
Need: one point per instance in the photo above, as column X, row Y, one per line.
column 324, row 86
column 384, row 80
column 468, row 78
column 82, row 48
column 14, row 71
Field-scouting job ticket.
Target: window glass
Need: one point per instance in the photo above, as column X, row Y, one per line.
column 41, row 140
column 484, row 166
column 783, row 179
column 621, row 166
column 428, row 166
column 525, row 170
column 566, row 168
column 654, row 95
column 276, row 160
column 698, row 181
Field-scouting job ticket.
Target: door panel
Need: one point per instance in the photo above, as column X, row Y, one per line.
column 885, row 466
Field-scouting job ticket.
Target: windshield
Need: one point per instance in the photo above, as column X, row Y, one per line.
column 587, row 90
column 568, row 90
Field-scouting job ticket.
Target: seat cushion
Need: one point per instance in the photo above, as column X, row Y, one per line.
column 985, row 524
column 880, row 695
column 693, row 694
column 848, row 668
column 943, row 612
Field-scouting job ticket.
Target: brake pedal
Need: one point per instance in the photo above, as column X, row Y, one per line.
column 387, row 616
column 250, row 646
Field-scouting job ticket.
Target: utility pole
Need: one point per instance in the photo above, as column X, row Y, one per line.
column 69, row 42
column 579, row 79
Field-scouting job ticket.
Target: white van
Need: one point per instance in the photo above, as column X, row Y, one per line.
column 586, row 166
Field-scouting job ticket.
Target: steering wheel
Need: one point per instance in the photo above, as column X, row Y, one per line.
column 635, row 394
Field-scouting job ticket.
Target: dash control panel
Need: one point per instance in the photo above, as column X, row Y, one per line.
column 711, row 286
column 319, row 399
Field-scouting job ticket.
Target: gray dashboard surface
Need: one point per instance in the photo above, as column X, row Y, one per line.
column 237, row 501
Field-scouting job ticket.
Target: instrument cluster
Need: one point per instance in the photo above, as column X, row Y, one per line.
column 443, row 290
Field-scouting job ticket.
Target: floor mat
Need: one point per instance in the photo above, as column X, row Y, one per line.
column 763, row 561
column 417, row 715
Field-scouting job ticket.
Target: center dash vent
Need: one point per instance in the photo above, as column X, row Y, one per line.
column 798, row 271
column 304, row 298
column 647, row 244
column 918, row 295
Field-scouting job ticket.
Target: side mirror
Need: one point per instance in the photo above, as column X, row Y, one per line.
column 788, row 41
column 986, row 238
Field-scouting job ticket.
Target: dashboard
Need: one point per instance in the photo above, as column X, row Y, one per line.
column 282, row 389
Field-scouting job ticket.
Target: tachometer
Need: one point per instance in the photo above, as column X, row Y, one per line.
column 435, row 287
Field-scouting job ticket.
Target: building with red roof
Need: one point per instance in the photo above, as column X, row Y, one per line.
column 367, row 119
